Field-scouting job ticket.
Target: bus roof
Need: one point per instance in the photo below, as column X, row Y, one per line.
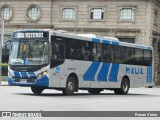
column 101, row 39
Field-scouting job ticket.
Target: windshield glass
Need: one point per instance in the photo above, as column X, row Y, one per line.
column 29, row 52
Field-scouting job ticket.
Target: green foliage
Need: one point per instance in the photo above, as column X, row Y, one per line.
column 4, row 69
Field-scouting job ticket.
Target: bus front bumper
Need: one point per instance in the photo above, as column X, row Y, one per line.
column 43, row 81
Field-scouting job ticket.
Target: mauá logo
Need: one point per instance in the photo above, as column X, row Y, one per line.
column 133, row 70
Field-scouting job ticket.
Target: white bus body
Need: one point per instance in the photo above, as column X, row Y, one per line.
column 70, row 74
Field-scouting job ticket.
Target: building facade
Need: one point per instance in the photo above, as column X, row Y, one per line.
column 135, row 21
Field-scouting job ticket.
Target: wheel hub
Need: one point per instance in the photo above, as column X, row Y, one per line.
column 70, row 86
column 125, row 87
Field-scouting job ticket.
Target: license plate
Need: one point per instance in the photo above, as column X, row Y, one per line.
column 23, row 81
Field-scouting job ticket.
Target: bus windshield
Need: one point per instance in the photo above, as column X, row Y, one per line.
column 29, row 52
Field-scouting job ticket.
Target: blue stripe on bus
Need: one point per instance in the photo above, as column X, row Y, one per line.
column 114, row 73
column 115, row 43
column 10, row 81
column 106, row 42
column 102, row 75
column 96, row 40
column 16, row 74
column 91, row 72
column 24, row 75
column 149, row 74
column 31, row 74
column 43, row 81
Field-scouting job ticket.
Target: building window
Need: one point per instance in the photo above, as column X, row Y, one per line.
column 33, row 13
column 68, row 14
column 128, row 40
column 97, row 14
column 155, row 18
column 6, row 12
column 127, row 14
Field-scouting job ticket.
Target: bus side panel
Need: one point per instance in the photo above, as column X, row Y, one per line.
column 100, row 75
column 108, row 76
column 87, row 73
column 57, row 75
column 136, row 74
column 71, row 67
column 60, row 73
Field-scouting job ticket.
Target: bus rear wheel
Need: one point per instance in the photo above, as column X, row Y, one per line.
column 94, row 91
column 70, row 86
column 37, row 89
column 124, row 87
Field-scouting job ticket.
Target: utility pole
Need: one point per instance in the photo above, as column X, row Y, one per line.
column 1, row 45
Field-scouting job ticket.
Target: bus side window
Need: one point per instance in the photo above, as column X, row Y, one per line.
column 107, row 53
column 139, row 56
column 129, row 56
column 87, row 51
column 119, row 54
column 147, row 57
column 97, row 52
column 58, row 51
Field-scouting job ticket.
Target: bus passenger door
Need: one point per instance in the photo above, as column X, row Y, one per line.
column 57, row 60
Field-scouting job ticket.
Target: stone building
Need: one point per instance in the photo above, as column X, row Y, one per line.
column 135, row 21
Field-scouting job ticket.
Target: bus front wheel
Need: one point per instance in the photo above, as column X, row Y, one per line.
column 70, row 86
column 36, row 89
column 124, row 87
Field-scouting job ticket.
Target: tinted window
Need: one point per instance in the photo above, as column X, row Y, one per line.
column 129, row 55
column 139, row 57
column 147, row 57
column 107, row 53
column 119, row 52
column 87, row 50
column 73, row 49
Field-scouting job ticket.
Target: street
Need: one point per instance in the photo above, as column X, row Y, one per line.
column 14, row 98
column 21, row 98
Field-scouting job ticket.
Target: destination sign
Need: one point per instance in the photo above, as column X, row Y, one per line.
column 29, row 35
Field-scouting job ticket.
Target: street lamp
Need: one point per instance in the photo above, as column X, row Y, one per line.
column 1, row 45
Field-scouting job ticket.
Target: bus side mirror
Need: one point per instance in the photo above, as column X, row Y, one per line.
column 8, row 44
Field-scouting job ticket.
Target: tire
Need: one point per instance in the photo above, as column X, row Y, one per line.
column 70, row 86
column 36, row 89
column 94, row 91
column 124, row 87
column 150, row 87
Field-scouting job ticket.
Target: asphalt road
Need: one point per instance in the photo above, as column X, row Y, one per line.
column 14, row 98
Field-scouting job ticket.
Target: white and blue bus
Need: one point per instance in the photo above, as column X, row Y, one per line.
column 48, row 59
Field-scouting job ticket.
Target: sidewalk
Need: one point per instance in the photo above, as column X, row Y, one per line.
column 4, row 83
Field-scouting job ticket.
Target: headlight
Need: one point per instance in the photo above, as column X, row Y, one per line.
column 42, row 74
